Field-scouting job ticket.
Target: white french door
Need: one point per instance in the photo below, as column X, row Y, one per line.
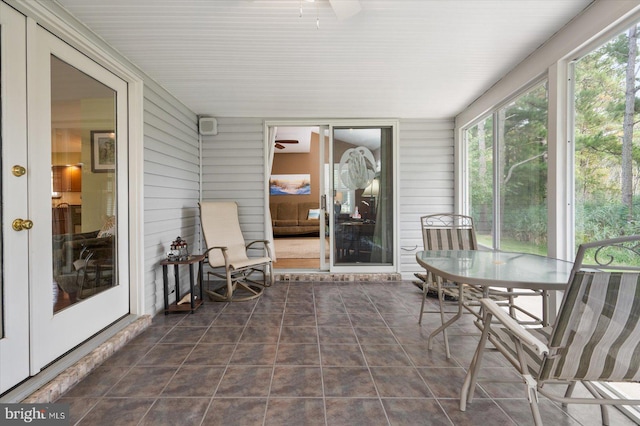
column 14, row 252
column 64, row 209
column 78, row 112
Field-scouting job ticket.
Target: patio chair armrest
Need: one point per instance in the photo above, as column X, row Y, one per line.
column 266, row 245
column 517, row 330
column 221, row 248
column 265, row 242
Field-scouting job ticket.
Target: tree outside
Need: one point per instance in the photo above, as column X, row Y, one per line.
column 606, row 155
column 606, row 143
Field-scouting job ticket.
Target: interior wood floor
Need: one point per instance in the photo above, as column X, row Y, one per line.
column 294, row 263
column 286, row 259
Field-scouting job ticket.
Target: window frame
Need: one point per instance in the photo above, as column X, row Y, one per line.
column 493, row 114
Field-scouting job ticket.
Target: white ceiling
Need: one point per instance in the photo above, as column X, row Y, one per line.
column 259, row 58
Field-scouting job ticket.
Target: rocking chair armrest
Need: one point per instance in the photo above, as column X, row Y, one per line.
column 515, row 328
column 266, row 245
column 223, row 248
column 265, row 242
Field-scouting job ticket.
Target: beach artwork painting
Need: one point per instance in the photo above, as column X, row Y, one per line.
column 290, row 185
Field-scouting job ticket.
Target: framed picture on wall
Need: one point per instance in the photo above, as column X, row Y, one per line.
column 103, row 151
column 290, row 184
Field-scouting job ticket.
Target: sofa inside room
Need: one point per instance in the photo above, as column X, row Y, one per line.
column 295, row 218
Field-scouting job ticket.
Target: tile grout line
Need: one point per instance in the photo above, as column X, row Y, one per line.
column 324, row 393
column 375, row 386
column 275, row 360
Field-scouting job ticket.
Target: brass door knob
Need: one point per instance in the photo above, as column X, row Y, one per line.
column 18, row 170
column 20, row 224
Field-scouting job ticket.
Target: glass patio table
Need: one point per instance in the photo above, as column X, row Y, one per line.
column 497, row 269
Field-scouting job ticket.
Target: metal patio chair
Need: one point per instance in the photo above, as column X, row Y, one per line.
column 448, row 231
column 228, row 255
column 595, row 338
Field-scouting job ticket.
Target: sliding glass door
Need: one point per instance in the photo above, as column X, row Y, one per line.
column 363, row 213
column 350, row 170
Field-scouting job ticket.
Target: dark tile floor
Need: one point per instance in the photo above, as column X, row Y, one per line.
column 304, row 354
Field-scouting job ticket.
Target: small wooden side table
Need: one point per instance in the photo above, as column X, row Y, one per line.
column 195, row 303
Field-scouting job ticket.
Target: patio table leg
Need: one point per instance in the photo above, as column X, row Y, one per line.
column 446, row 324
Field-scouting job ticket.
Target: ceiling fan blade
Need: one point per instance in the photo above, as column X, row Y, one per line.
column 345, row 8
column 287, row 141
column 279, row 146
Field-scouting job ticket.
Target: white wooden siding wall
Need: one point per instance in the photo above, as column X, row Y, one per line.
column 426, row 175
column 171, row 187
column 233, row 170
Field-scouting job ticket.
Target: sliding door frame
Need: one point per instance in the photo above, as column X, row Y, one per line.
column 330, row 124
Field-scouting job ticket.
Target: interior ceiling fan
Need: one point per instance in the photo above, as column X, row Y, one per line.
column 279, row 143
column 343, row 8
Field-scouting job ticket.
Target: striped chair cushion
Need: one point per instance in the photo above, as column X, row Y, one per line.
column 449, row 239
column 597, row 336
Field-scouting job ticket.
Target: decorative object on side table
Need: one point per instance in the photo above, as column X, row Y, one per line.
column 178, row 251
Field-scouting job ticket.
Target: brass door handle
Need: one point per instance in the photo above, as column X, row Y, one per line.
column 20, row 224
column 18, row 170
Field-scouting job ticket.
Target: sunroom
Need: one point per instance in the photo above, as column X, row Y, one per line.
column 538, row 150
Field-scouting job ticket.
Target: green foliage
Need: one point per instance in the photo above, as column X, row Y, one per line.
column 523, row 168
column 527, row 224
column 600, row 103
column 600, row 88
column 606, row 218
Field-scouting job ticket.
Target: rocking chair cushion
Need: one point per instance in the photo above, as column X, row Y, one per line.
column 226, row 229
column 248, row 262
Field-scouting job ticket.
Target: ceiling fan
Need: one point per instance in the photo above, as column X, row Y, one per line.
column 342, row 8
column 345, row 8
column 279, row 143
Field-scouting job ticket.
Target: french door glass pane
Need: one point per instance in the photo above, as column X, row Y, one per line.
column 83, row 185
